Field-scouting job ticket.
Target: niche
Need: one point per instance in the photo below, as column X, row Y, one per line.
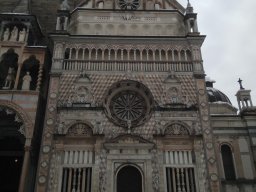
column 8, row 69
column 29, row 74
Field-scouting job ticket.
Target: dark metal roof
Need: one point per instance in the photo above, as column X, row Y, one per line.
column 215, row 95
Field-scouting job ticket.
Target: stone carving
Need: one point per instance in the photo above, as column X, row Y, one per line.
column 159, row 127
column 60, row 128
column 28, row 125
column 102, row 171
column 6, row 34
column 22, row 130
column 64, row 5
column 79, row 129
column 82, row 95
column 196, row 127
column 172, row 91
column 9, row 111
column 9, row 81
column 26, row 81
column 22, row 35
column 14, row 34
column 17, row 119
column 128, row 104
column 54, row 170
column 172, row 95
column 155, row 171
column 98, row 127
column 176, row 129
column 201, row 165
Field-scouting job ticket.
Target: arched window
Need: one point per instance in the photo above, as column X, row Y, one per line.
column 228, row 163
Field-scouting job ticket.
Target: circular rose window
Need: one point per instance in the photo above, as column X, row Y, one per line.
column 129, row 4
column 128, row 104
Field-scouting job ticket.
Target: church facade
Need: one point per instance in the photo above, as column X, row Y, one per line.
column 113, row 98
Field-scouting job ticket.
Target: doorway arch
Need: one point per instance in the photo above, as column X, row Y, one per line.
column 129, row 178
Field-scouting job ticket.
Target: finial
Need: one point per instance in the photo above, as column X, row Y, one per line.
column 189, row 5
column 240, row 83
column 189, row 8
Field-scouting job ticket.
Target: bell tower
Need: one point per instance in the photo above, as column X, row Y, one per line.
column 191, row 20
column 244, row 99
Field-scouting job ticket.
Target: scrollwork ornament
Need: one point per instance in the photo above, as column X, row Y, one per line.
column 22, row 130
column 102, row 171
column 155, row 171
column 98, row 127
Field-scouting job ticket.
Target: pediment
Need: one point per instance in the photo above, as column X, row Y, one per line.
column 129, row 144
column 129, row 139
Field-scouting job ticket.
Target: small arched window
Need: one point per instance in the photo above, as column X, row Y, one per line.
column 228, row 163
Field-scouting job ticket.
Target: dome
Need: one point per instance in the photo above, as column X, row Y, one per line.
column 215, row 95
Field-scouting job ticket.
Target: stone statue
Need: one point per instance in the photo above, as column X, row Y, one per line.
column 6, row 34
column 64, row 5
column 129, row 125
column 9, row 79
column 26, row 82
column 22, row 35
column 14, row 34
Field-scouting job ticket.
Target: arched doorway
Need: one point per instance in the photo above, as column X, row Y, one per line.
column 11, row 151
column 129, row 179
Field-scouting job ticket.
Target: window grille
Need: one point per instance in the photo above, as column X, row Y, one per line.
column 180, row 172
column 180, row 179
column 77, row 171
column 76, row 179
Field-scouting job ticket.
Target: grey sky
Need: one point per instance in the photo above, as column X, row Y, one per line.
column 229, row 51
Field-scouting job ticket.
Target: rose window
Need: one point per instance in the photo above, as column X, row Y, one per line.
column 128, row 104
column 129, row 4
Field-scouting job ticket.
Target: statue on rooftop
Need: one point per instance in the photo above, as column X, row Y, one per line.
column 6, row 34
column 14, row 34
column 64, row 5
column 22, row 35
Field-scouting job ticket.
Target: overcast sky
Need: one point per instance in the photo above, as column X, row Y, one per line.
column 229, row 51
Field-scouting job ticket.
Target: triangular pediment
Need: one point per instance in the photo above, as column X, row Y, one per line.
column 129, row 139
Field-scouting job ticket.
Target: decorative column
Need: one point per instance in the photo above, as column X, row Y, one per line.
column 25, row 166
column 39, row 78
column 43, row 173
column 17, row 76
column 213, row 184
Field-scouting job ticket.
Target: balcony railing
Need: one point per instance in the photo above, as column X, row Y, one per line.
column 161, row 66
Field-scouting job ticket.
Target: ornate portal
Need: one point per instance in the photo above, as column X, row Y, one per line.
column 128, row 104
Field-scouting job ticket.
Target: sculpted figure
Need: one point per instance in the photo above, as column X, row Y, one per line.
column 26, row 82
column 6, row 34
column 9, row 79
column 64, row 5
column 14, row 34
column 22, row 35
